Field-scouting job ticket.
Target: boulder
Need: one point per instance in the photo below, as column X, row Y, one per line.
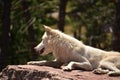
column 32, row 72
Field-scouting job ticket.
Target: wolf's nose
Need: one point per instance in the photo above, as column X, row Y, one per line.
column 35, row 48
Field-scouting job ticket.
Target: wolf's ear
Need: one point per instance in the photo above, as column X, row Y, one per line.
column 47, row 29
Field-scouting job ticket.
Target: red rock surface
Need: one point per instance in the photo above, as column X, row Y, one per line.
column 31, row 72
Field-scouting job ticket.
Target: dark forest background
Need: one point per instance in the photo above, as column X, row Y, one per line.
column 95, row 22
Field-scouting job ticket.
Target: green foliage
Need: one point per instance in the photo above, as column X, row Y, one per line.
column 19, row 50
column 96, row 16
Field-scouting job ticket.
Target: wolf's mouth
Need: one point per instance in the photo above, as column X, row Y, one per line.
column 42, row 50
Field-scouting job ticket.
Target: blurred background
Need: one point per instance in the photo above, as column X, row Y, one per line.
column 95, row 22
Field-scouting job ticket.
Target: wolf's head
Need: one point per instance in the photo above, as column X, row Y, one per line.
column 46, row 45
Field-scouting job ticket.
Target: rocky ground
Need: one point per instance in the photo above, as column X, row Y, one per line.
column 31, row 72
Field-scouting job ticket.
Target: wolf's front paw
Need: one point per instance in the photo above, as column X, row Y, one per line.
column 40, row 63
column 30, row 63
column 67, row 68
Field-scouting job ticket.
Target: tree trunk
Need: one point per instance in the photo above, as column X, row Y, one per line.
column 27, row 17
column 5, row 33
column 116, row 28
column 62, row 8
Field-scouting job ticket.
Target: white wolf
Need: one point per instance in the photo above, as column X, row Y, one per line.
column 70, row 51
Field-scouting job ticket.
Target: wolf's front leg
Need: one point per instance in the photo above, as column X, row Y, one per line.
column 78, row 65
column 54, row 63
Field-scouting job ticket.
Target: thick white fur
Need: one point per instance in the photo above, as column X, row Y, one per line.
column 70, row 51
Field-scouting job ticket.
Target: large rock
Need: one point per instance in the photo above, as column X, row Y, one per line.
column 31, row 72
